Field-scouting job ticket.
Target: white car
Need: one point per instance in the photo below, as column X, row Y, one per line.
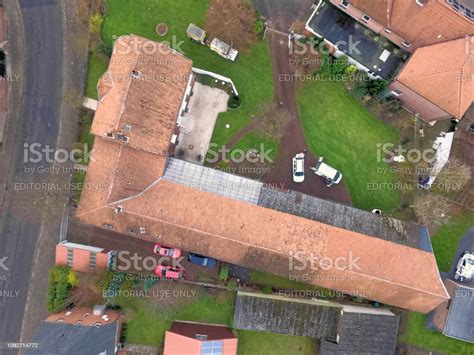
column 298, row 168
column 331, row 176
column 465, row 268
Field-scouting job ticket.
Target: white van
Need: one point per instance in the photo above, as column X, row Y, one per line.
column 331, row 176
column 298, row 168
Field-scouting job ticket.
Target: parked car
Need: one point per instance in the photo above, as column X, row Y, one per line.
column 201, row 260
column 465, row 267
column 167, row 251
column 330, row 175
column 169, row 272
column 298, row 168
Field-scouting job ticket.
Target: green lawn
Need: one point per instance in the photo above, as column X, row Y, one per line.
column 97, row 66
column 418, row 335
column 445, row 241
column 341, row 130
column 147, row 321
column 251, row 73
column 258, row 343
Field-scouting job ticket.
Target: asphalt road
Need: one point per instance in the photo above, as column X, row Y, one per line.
column 22, row 210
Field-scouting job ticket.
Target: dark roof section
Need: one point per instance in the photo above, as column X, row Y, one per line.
column 63, row 338
column 212, row 331
column 342, row 216
column 316, row 319
column 364, row 333
column 460, row 322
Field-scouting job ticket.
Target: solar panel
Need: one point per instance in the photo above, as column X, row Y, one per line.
column 212, row 180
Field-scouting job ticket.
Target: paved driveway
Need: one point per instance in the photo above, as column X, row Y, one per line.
column 197, row 125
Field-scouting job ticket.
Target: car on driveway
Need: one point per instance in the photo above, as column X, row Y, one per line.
column 298, row 168
column 167, row 251
column 169, row 272
column 465, row 267
column 330, row 175
column 201, row 260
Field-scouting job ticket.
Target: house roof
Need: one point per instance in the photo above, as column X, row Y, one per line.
column 142, row 88
column 444, row 74
column 435, row 22
column 206, row 221
column 460, row 322
column 211, row 331
column 364, row 330
column 64, row 338
column 268, row 313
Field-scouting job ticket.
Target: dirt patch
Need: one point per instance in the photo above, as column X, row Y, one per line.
column 232, row 21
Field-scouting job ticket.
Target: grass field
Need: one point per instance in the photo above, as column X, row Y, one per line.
column 341, row 130
column 416, row 334
column 251, row 73
column 445, row 241
column 257, row 141
column 257, row 343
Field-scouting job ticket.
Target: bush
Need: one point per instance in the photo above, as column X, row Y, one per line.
column 339, row 65
column 105, row 49
column 394, row 105
column 258, row 26
column 371, row 87
column 224, row 272
column 95, row 22
column 267, row 290
column 232, row 285
column 234, row 102
column 351, row 69
column 60, row 281
column 326, row 65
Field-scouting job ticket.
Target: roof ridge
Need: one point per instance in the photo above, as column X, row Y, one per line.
column 284, row 254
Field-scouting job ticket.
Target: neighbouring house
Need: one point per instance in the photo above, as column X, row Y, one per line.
column 83, row 258
column 80, row 331
column 152, row 194
column 437, row 81
column 341, row 329
column 454, row 318
column 199, row 339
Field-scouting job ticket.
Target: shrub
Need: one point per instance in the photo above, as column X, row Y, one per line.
column 234, row 102
column 224, row 272
column 339, row 65
column 258, row 26
column 232, row 285
column 72, row 278
column 59, row 287
column 351, row 69
column 394, row 105
column 95, row 22
column 371, row 87
column 105, row 49
column 267, row 289
column 326, row 65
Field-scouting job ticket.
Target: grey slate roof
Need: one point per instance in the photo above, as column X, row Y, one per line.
column 460, row 321
column 72, row 339
column 364, row 333
column 316, row 319
column 342, row 216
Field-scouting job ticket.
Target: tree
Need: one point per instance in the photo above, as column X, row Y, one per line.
column 431, row 209
column 72, row 278
column 454, row 176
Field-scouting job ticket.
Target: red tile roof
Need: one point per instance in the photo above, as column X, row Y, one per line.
column 443, row 74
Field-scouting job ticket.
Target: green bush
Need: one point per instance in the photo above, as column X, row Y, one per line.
column 232, row 285
column 371, row 87
column 60, row 281
column 234, row 102
column 105, row 49
column 339, row 65
column 95, row 22
column 224, row 272
column 351, row 69
column 258, row 26
column 326, row 65
column 267, row 289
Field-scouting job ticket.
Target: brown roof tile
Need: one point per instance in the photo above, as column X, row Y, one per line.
column 444, row 74
column 420, row 26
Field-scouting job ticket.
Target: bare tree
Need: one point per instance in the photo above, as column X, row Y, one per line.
column 431, row 209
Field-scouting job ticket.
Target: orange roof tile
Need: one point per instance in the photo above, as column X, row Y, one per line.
column 444, row 74
column 420, row 26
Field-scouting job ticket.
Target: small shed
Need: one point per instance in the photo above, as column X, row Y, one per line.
column 196, row 33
